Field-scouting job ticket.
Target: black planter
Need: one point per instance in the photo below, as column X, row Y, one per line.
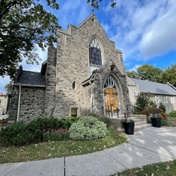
column 129, row 127
column 156, row 122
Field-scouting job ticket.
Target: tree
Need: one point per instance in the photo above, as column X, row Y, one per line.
column 23, row 24
column 95, row 3
column 147, row 72
column 151, row 73
column 169, row 75
column 132, row 74
column 9, row 87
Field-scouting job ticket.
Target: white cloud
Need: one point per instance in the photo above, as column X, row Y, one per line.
column 143, row 29
column 161, row 36
column 134, row 68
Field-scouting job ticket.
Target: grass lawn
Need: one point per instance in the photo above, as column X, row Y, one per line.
column 54, row 149
column 160, row 169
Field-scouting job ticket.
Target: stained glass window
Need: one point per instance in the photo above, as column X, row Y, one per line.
column 95, row 52
column 110, row 83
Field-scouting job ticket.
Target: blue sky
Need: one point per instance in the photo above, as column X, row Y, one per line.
column 145, row 30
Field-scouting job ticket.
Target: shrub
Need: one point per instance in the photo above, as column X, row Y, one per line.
column 88, row 128
column 56, row 135
column 67, row 122
column 162, row 107
column 104, row 119
column 164, row 122
column 142, row 103
column 173, row 113
column 20, row 133
column 15, row 134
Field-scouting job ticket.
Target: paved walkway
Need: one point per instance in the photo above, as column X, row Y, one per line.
column 150, row 145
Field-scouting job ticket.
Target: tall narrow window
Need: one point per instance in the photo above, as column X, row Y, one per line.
column 95, row 53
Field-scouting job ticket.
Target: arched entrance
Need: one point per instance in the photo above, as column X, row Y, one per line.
column 111, row 102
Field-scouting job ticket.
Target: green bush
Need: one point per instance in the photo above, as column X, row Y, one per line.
column 173, row 113
column 142, row 103
column 56, row 135
column 164, row 122
column 104, row 119
column 67, row 122
column 162, row 107
column 14, row 135
column 88, row 127
column 21, row 133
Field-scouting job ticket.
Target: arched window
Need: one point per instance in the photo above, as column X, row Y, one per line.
column 95, row 53
column 110, row 83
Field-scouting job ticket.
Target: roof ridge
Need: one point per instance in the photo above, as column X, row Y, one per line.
column 30, row 71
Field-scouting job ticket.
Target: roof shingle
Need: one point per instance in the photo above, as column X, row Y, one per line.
column 31, row 78
column 154, row 87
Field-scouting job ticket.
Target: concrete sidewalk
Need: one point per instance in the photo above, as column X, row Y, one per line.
column 150, row 145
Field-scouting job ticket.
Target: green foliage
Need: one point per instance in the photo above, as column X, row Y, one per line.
column 21, row 133
column 68, row 121
column 88, row 128
column 162, row 107
column 142, row 103
column 104, row 119
column 132, row 74
column 23, row 26
column 56, row 135
column 147, row 72
column 168, row 75
column 95, row 3
column 173, row 113
column 158, row 169
column 15, row 134
column 164, row 122
column 151, row 73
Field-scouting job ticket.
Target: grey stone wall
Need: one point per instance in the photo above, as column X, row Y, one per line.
column 13, row 105
column 32, row 103
column 100, row 77
column 50, row 79
column 72, row 64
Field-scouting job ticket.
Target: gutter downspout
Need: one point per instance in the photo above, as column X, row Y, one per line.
column 19, row 100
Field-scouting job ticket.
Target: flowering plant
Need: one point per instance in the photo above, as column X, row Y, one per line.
column 56, row 135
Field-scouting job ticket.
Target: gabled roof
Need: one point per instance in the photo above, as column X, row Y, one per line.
column 86, row 20
column 154, row 87
column 31, row 78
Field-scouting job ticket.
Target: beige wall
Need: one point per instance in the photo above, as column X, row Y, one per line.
column 3, row 103
column 168, row 100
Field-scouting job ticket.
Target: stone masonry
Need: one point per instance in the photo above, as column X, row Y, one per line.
column 72, row 64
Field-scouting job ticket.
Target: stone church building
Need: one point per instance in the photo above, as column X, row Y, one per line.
column 84, row 74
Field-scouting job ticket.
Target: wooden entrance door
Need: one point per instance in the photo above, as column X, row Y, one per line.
column 111, row 100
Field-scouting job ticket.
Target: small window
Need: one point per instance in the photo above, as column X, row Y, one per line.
column 74, row 85
column 74, row 112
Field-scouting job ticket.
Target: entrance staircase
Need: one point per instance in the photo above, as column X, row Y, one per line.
column 140, row 122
